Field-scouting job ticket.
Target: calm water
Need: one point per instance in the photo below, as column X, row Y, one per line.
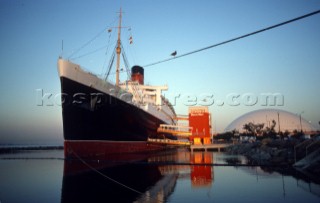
column 176, row 176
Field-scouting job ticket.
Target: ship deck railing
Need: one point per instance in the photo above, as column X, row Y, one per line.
column 177, row 130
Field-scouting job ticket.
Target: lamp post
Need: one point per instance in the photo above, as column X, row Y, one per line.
column 278, row 123
column 300, row 121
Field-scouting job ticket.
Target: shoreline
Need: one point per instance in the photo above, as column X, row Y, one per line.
column 15, row 148
column 281, row 155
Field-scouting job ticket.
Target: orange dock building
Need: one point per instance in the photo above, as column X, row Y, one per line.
column 200, row 121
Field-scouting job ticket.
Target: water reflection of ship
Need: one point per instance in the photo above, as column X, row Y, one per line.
column 161, row 190
column 118, row 183
column 196, row 166
column 80, row 165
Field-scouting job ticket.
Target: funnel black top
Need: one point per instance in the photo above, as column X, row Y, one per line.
column 137, row 69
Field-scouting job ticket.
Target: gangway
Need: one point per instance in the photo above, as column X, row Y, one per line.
column 169, row 142
column 181, row 118
column 177, row 130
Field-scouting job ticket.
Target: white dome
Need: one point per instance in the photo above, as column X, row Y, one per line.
column 288, row 121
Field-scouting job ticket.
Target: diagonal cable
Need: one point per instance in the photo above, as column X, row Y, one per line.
column 236, row 38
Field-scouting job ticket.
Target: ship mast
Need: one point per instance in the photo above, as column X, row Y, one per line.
column 118, row 50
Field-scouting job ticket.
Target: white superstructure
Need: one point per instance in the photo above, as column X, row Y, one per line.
column 145, row 97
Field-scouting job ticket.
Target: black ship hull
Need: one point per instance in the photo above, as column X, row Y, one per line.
column 96, row 124
column 89, row 114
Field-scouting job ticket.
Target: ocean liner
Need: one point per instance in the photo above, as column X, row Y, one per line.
column 102, row 118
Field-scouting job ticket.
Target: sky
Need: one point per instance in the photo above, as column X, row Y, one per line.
column 235, row 77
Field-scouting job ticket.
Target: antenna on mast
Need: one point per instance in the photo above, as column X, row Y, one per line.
column 61, row 49
column 118, row 49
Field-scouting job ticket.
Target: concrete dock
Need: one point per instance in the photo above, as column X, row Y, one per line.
column 214, row 146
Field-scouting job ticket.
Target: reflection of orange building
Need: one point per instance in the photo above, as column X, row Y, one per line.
column 200, row 120
column 201, row 170
column 201, row 175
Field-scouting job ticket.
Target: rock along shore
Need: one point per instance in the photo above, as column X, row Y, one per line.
column 284, row 153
